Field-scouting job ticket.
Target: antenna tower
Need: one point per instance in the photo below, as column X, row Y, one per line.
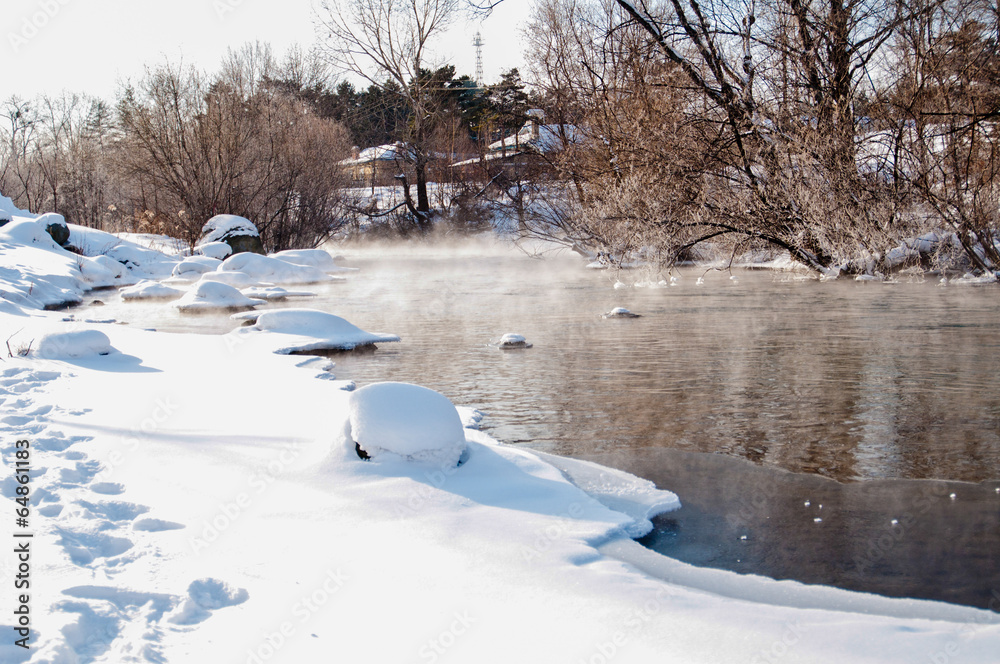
column 477, row 41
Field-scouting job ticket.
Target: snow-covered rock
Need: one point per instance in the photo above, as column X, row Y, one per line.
column 238, row 232
column 195, row 266
column 306, row 330
column 234, row 279
column 264, row 268
column 72, row 345
column 620, row 312
column 406, row 421
column 211, row 295
column 55, row 225
column 511, row 340
column 150, row 290
column 217, row 250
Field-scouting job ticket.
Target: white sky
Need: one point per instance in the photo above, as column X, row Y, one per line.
column 88, row 46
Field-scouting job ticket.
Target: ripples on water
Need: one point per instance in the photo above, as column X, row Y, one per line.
column 849, row 381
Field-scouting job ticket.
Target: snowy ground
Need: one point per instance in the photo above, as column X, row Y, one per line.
column 194, row 499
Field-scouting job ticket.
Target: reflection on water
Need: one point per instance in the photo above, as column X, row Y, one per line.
column 849, row 381
column 901, row 538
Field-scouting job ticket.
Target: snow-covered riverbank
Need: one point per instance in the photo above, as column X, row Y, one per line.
column 193, row 499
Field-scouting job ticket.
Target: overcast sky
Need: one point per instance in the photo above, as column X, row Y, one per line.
column 88, row 46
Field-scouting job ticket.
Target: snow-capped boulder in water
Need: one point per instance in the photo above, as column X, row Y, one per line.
column 211, row 295
column 55, row 225
column 620, row 312
column 217, row 250
column 309, row 330
column 405, row 421
column 272, row 270
column 72, row 345
column 238, row 232
column 510, row 341
column 150, row 290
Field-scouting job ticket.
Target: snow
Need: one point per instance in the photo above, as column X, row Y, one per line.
column 195, row 266
column 234, row 279
column 222, row 225
column 217, row 250
column 194, row 499
column 150, row 290
column 8, row 210
column 28, row 232
column 212, row 295
column 73, row 344
column 273, row 270
column 303, row 330
column 406, row 421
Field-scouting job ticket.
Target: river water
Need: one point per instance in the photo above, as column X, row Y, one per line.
column 844, row 433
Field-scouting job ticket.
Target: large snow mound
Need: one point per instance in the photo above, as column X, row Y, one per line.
column 30, row 233
column 264, row 268
column 304, row 330
column 408, row 421
column 209, row 295
column 73, row 344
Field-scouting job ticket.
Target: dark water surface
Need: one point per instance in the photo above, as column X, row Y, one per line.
column 846, row 394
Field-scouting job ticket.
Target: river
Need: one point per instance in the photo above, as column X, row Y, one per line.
column 845, row 433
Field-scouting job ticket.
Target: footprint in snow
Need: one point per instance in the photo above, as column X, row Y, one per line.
column 114, row 510
column 57, row 442
column 205, row 596
column 83, row 473
column 151, row 525
column 84, row 547
column 107, row 488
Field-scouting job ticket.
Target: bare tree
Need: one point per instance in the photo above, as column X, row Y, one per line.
column 235, row 143
column 388, row 40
